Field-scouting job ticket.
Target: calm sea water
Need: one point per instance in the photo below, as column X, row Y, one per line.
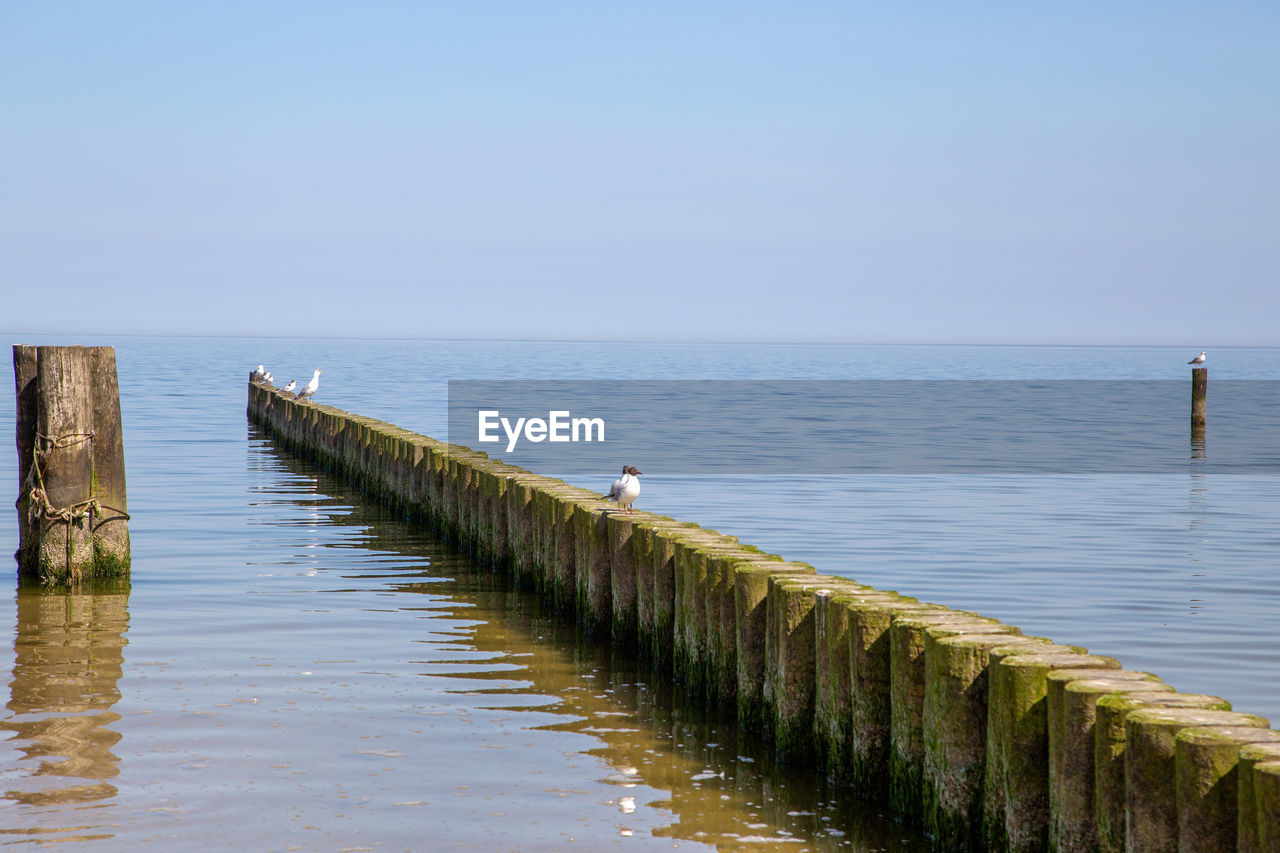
column 293, row 668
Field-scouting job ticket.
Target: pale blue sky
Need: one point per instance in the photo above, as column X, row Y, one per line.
column 929, row 172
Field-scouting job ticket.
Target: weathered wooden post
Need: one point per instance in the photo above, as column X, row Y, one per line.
column 1199, row 389
column 72, row 509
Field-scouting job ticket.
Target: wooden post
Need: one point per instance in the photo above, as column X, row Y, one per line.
column 72, row 511
column 1199, row 388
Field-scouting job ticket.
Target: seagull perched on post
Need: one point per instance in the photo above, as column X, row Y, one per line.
column 310, row 387
column 267, row 377
column 293, row 383
column 626, row 488
column 1198, row 359
column 259, row 373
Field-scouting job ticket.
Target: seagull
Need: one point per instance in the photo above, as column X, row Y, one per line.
column 310, row 386
column 266, row 377
column 258, row 374
column 1198, row 359
column 626, row 488
column 293, row 383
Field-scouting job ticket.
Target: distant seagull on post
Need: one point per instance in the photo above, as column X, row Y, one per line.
column 259, row 373
column 293, row 383
column 1198, row 359
column 310, row 388
column 267, row 377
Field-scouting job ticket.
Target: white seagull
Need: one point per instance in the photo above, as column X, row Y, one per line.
column 1198, row 359
column 266, row 377
column 626, row 488
column 258, row 374
column 293, row 383
column 311, row 386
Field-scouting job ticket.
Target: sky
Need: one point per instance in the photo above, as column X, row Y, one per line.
column 1068, row 173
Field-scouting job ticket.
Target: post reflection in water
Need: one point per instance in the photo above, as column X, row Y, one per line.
column 69, row 656
column 680, row 771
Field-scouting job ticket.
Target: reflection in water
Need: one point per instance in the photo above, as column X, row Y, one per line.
column 681, row 771
column 69, row 655
column 1198, row 444
column 1197, row 513
column 713, row 784
column 1199, row 454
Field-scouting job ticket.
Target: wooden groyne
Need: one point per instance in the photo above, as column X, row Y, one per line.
column 988, row 739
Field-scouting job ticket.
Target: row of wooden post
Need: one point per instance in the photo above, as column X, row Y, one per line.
column 988, row 739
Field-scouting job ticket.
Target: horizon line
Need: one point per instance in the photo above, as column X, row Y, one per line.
column 626, row 341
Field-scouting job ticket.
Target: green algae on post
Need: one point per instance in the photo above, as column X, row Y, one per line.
column 1111, row 754
column 1251, row 809
column 954, row 729
column 1016, row 795
column 1207, row 761
column 1151, row 779
column 751, row 626
column 1072, row 696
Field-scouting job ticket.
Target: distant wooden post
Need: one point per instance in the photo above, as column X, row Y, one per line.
column 1199, row 388
column 72, row 508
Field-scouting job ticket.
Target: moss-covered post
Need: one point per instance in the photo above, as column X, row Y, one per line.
column 1208, row 766
column 642, row 559
column 592, row 582
column 907, row 632
column 72, row 504
column 751, row 627
column 790, row 663
column 519, row 522
column 688, row 625
column 562, row 552
column 833, row 700
column 537, row 572
column 1264, row 782
column 954, row 729
column 1111, row 754
column 870, row 686
column 552, row 507
column 1150, row 771
column 500, row 548
column 722, row 652
column 622, row 578
column 1251, row 810
column 1016, row 788
column 693, row 557
column 1072, row 695
column 663, row 549
column 448, row 525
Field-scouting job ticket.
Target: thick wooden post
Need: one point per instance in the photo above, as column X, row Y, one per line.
column 72, row 510
column 1199, row 388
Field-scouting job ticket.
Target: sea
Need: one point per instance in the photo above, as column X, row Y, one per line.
column 293, row 667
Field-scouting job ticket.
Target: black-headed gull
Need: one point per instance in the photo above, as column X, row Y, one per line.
column 626, row 488
column 293, row 383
